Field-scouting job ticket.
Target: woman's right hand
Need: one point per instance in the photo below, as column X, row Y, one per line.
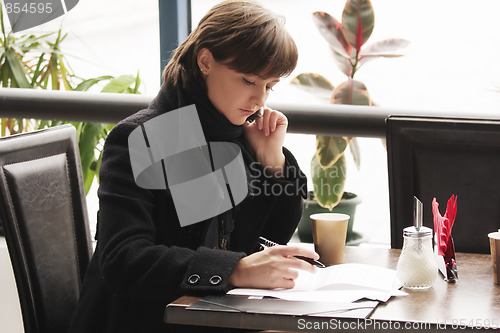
column 274, row 267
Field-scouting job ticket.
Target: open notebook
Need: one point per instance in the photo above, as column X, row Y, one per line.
column 341, row 283
column 344, row 291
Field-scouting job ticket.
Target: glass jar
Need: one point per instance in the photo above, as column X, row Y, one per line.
column 417, row 268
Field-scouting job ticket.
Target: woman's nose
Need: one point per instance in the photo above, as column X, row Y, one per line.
column 260, row 97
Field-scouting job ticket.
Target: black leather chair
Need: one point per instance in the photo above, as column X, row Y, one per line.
column 44, row 215
column 438, row 157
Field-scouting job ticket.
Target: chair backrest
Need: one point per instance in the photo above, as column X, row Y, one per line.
column 44, row 215
column 438, row 157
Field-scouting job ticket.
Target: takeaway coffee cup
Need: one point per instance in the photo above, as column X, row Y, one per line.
column 329, row 235
column 495, row 254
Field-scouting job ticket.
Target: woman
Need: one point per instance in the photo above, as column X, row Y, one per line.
column 144, row 259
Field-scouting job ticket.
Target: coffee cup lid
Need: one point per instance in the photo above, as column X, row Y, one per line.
column 495, row 235
column 330, row 216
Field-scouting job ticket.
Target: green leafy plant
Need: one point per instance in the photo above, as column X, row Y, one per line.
column 37, row 62
column 346, row 40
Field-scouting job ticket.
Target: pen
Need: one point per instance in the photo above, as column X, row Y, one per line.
column 267, row 243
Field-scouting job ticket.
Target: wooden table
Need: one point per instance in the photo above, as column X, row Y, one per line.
column 473, row 302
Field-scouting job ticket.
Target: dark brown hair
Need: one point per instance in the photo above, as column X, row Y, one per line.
column 240, row 34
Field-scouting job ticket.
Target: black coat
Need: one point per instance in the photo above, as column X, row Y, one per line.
column 144, row 259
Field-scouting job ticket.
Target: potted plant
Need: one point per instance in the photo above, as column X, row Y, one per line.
column 346, row 40
column 36, row 62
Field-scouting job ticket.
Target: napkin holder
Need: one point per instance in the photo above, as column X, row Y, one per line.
column 445, row 256
column 448, row 267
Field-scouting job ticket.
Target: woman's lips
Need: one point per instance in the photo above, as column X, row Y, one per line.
column 247, row 112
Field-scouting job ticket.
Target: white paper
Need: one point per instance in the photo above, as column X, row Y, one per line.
column 339, row 283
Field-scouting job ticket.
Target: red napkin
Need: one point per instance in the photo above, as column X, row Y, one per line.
column 442, row 229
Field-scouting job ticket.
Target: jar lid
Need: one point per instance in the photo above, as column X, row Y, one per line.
column 417, row 232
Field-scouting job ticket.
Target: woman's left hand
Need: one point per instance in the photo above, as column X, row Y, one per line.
column 266, row 136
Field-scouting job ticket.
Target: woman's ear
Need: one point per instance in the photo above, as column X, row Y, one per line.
column 205, row 60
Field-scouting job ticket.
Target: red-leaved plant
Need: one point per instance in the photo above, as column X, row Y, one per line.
column 347, row 43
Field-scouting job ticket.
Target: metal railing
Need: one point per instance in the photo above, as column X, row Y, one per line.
column 328, row 119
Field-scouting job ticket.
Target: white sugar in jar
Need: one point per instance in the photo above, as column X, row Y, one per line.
column 417, row 268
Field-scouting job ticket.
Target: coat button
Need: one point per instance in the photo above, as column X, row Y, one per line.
column 215, row 280
column 193, row 279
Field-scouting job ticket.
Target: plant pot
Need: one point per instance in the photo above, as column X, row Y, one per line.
column 346, row 206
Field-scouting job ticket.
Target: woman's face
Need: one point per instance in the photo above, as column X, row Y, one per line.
column 234, row 94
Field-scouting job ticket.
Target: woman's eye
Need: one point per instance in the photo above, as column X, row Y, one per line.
column 250, row 83
column 253, row 83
